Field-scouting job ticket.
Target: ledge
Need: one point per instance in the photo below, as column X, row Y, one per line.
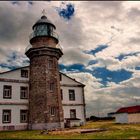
column 13, row 80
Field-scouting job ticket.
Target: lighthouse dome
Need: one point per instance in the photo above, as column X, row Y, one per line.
column 44, row 20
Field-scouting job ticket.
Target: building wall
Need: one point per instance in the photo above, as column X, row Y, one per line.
column 16, row 74
column 15, row 103
column 79, row 112
column 68, row 81
column 78, row 103
column 15, row 116
column 15, row 92
column 121, row 118
column 75, row 123
column 78, row 95
column 134, row 118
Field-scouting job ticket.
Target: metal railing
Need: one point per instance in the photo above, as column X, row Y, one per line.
column 28, row 47
column 53, row 34
column 57, row 46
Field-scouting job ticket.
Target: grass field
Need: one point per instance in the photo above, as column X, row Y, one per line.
column 114, row 131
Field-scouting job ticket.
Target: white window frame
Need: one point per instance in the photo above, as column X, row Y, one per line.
column 24, row 73
column 23, row 92
column 23, row 116
column 6, row 116
column 71, row 94
column 74, row 114
column 7, row 92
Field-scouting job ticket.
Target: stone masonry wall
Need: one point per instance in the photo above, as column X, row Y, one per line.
column 41, row 98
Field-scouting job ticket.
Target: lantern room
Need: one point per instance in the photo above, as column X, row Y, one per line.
column 44, row 28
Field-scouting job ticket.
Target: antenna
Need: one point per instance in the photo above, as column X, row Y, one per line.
column 43, row 12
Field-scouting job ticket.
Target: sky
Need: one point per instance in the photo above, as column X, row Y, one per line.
column 100, row 42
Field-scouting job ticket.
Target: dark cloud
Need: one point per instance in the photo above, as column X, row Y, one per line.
column 18, row 3
column 133, row 13
column 15, row 2
column 30, row 2
column 71, row 33
column 98, row 8
column 14, row 28
column 134, row 40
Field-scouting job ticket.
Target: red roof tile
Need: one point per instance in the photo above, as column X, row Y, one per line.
column 131, row 109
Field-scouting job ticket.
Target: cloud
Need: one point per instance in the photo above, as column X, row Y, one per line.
column 100, row 101
column 134, row 40
column 75, row 55
column 133, row 13
column 14, row 60
column 15, row 2
column 30, row 2
column 102, row 73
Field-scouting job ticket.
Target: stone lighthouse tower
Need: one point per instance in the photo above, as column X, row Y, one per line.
column 45, row 107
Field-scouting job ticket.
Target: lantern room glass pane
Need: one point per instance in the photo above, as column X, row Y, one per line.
column 41, row 30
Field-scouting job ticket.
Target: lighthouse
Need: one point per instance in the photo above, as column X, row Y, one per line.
column 45, row 106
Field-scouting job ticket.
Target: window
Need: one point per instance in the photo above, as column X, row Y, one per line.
column 71, row 95
column 72, row 113
column 50, row 31
column 52, row 111
column 50, row 63
column 7, row 92
column 23, row 92
column 23, row 116
column 61, row 92
column 51, row 87
column 40, row 30
column 24, row 73
column 6, row 117
column 60, row 77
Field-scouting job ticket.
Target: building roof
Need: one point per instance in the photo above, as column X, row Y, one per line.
column 131, row 109
column 73, row 79
column 28, row 66
column 14, row 69
column 43, row 20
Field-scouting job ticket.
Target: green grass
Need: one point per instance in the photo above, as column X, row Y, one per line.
column 114, row 131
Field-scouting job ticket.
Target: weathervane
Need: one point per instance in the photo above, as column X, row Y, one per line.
column 43, row 12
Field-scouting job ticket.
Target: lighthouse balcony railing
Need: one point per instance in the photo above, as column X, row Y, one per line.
column 52, row 34
column 30, row 46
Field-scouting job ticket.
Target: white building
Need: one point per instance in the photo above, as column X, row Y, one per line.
column 128, row 115
column 14, row 99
